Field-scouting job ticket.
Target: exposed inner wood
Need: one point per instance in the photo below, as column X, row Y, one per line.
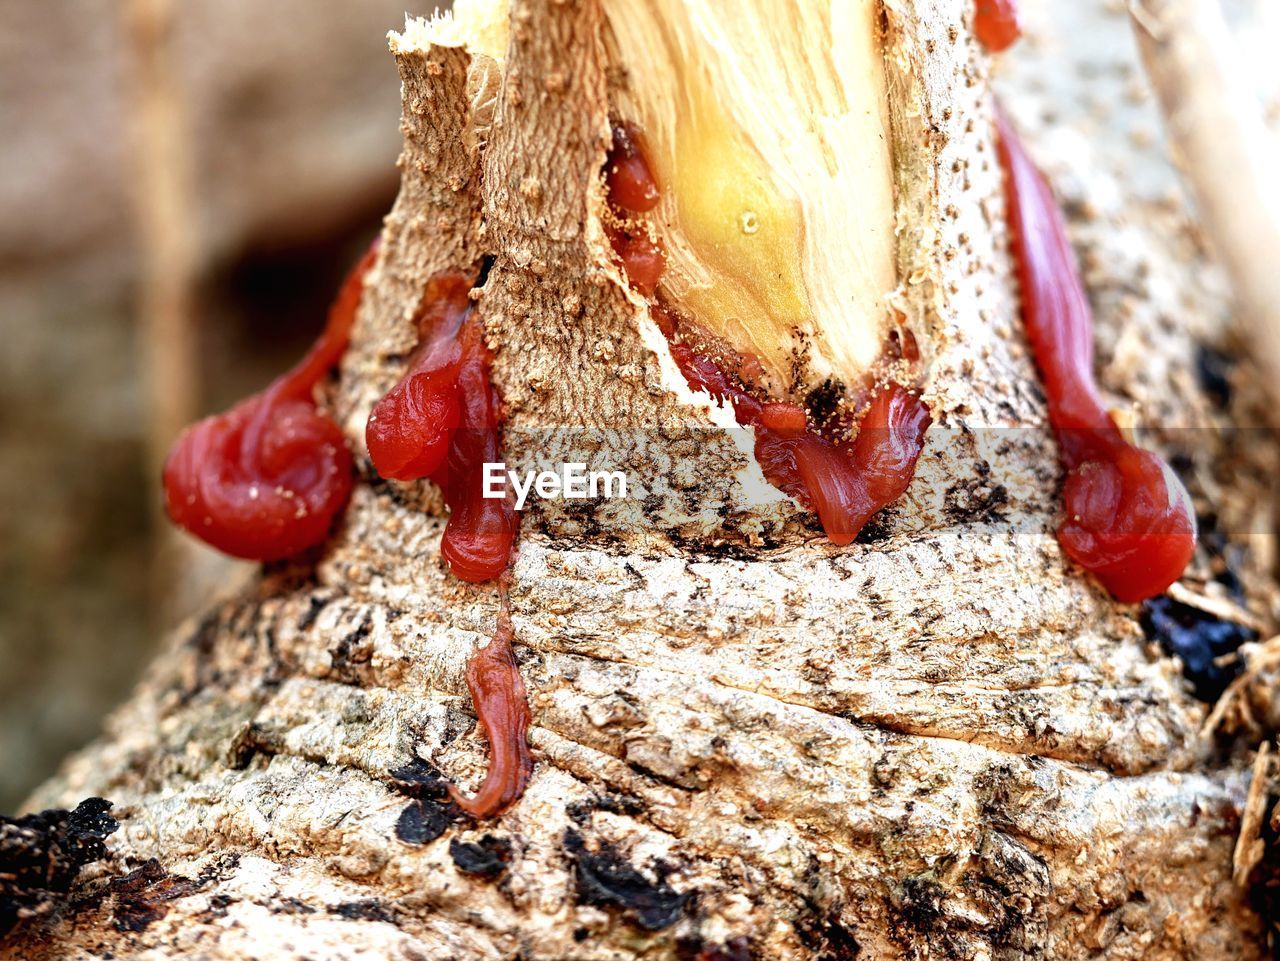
column 769, row 137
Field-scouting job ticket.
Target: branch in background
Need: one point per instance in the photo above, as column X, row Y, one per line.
column 1226, row 152
column 166, row 220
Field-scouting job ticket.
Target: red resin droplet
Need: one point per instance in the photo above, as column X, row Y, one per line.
column 443, row 421
column 629, row 182
column 786, row 420
column 845, row 483
column 1128, row 518
column 480, row 536
column 266, row 479
column 408, row 429
column 995, row 23
column 502, row 707
column 631, row 188
column 848, row 483
column 642, row 259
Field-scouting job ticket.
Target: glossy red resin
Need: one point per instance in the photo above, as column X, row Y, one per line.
column 642, row 259
column 1127, row 517
column 266, row 479
column 408, row 429
column 632, row 189
column 443, row 421
column 629, row 182
column 995, row 23
column 502, row 708
column 844, row 482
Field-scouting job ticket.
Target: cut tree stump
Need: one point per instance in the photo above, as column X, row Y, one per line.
column 942, row 742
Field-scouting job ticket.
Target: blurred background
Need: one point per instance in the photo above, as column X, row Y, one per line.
column 182, row 185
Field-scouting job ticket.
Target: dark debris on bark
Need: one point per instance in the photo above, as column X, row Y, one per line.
column 41, row 856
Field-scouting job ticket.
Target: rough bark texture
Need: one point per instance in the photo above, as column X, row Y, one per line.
column 943, row 742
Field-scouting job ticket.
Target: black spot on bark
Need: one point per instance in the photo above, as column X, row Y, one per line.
column 821, row 931
column 368, row 909
column 218, row 905
column 1224, row 557
column 41, row 856
column 143, row 896
column 824, row 401
column 233, row 619
column 351, row 654
column 487, row 858
column 873, row 531
column 432, row 810
column 420, row 779
column 702, row 549
column 423, row 821
column 1213, row 371
column 1199, row 639
column 315, row 605
column 383, row 488
column 291, row 906
column 604, row 879
column 580, row 811
column 245, row 746
column 205, row 637
column 486, row 265
column 918, row 905
column 976, row 502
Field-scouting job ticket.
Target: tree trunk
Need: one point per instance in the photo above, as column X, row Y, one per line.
column 943, row 741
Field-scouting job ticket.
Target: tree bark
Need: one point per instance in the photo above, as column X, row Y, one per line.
column 942, row 742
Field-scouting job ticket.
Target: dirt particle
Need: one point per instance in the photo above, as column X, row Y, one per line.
column 605, row 879
column 367, row 909
column 1201, row 640
column 41, row 856
column 487, row 858
column 143, row 896
column 422, row 822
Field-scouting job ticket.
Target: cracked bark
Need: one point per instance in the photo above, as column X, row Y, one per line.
column 941, row 742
